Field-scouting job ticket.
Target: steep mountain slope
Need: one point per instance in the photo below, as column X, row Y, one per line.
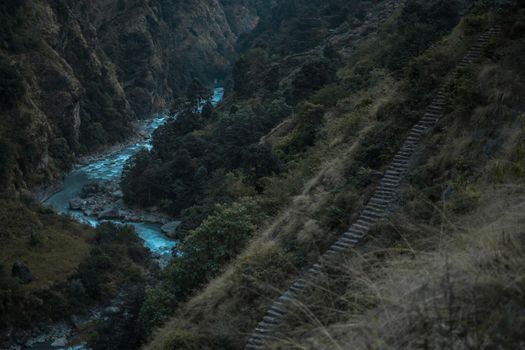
column 76, row 74
column 350, row 109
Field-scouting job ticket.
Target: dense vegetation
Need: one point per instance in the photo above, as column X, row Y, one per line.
column 72, row 267
column 343, row 116
column 319, row 101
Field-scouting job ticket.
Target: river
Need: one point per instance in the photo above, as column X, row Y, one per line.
column 106, row 167
column 109, row 167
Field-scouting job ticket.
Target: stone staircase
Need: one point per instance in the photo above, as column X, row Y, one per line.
column 378, row 207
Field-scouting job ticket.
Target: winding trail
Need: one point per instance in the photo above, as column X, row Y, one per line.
column 378, row 208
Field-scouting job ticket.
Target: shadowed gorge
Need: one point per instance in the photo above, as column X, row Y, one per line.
column 261, row 174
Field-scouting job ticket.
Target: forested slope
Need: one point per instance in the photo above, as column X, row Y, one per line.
column 297, row 152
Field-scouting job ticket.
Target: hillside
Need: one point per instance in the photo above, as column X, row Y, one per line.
column 326, row 158
column 357, row 184
column 75, row 75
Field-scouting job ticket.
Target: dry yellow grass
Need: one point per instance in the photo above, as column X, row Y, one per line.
column 465, row 290
column 57, row 248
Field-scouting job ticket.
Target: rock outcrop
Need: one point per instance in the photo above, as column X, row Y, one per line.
column 22, row 272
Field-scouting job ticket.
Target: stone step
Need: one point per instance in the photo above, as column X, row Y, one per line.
column 387, row 189
column 368, row 219
column 438, row 105
column 438, row 100
column 269, row 319
column 262, row 330
column 313, row 273
column 401, row 166
column 274, row 313
column 383, row 195
column 418, row 127
column 434, row 108
column 426, row 125
column 285, row 298
column 394, row 177
column 376, row 215
column 257, row 339
column 387, row 186
column 351, row 241
column 300, row 283
column 414, row 136
column 472, row 56
column 380, row 201
column 428, row 121
column 362, row 225
column 401, row 157
column 375, row 206
column 357, row 230
column 365, row 225
column 293, row 292
column 339, row 249
column 296, row 290
column 394, row 172
column 278, row 309
column 280, row 304
column 330, row 253
column 269, row 326
column 353, row 236
column 432, row 115
column 400, row 161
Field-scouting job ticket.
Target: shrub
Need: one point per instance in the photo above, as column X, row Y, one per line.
column 308, row 120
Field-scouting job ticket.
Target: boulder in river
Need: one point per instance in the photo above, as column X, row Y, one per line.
column 59, row 343
column 21, row 271
column 76, row 203
column 170, row 229
column 109, row 213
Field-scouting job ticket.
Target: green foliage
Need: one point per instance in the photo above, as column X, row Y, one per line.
column 474, row 24
column 252, row 72
column 93, row 279
column 187, row 157
column 329, row 95
column 197, row 92
column 311, row 77
column 201, row 257
column 155, row 310
column 308, row 120
column 182, row 340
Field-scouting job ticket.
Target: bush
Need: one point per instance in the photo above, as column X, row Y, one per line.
column 312, row 77
column 308, row 120
column 201, row 257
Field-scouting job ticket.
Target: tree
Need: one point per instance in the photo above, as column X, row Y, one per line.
column 197, row 94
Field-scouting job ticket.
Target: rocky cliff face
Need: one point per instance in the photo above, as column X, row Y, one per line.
column 84, row 70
